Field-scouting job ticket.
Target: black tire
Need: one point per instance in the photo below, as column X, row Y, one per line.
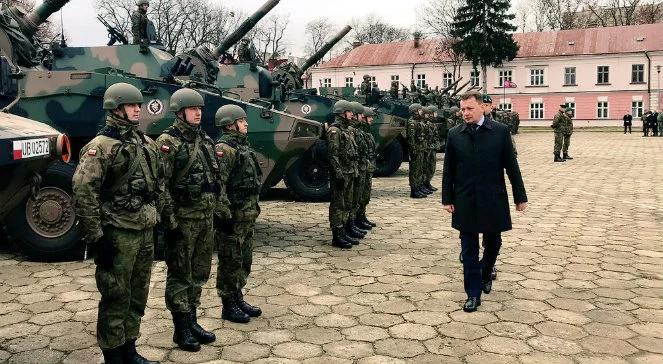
column 308, row 177
column 389, row 160
column 67, row 245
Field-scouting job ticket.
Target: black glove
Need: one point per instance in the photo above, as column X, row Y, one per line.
column 172, row 236
column 106, row 252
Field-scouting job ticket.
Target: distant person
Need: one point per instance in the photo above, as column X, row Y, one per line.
column 139, row 24
column 651, row 123
column 628, row 121
column 659, row 121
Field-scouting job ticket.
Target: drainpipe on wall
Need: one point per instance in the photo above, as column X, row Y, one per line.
column 649, row 81
column 412, row 73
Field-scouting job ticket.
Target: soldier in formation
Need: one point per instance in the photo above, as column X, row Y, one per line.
column 139, row 23
column 193, row 181
column 118, row 192
column 416, row 139
column 241, row 174
column 343, row 156
column 563, row 127
column 432, row 137
column 358, row 226
column 370, row 155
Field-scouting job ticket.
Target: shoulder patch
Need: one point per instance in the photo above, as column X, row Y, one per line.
column 164, row 148
column 92, row 152
column 219, row 153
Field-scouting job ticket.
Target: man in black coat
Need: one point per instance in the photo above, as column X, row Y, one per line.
column 628, row 121
column 474, row 192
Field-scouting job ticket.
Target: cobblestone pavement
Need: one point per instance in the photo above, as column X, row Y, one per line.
column 580, row 279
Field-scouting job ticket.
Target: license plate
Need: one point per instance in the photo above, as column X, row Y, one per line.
column 31, row 148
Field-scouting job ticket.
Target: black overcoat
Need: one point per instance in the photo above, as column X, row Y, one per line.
column 473, row 177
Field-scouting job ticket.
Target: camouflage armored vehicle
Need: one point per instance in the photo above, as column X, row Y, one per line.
column 70, row 99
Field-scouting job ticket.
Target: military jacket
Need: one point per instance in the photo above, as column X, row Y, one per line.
column 240, row 174
column 342, row 146
column 119, row 181
column 562, row 123
column 415, row 134
column 138, row 26
column 192, row 171
column 370, row 147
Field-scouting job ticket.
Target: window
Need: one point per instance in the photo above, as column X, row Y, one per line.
column 569, row 76
column 505, row 75
column 638, row 73
column 602, row 110
column 637, row 109
column 602, row 75
column 572, row 105
column 326, row 82
column 536, row 110
column 506, row 107
column 396, row 78
column 447, row 79
column 474, row 78
column 421, row 80
column 349, row 82
column 535, row 77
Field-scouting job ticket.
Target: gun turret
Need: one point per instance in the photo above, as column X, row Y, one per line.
column 460, row 88
column 244, row 28
column 325, row 48
column 453, row 84
column 38, row 16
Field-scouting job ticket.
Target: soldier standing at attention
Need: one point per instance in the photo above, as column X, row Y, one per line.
column 559, row 125
column 351, row 228
column 192, row 180
column 365, row 88
column 139, row 23
column 393, row 91
column 118, row 191
column 567, row 130
column 241, row 175
column 416, row 144
column 432, row 144
column 342, row 159
column 365, row 128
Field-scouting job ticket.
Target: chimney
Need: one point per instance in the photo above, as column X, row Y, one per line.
column 356, row 44
column 417, row 38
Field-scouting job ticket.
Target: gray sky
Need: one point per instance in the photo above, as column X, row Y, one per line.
column 83, row 29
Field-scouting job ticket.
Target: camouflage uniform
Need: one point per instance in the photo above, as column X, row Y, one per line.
column 118, row 189
column 433, row 143
column 369, row 146
column 563, row 127
column 416, row 142
column 241, row 174
column 139, row 23
column 393, row 91
column 365, row 88
column 343, row 157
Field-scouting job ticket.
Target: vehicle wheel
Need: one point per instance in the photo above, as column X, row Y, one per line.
column 45, row 227
column 308, row 177
column 389, row 160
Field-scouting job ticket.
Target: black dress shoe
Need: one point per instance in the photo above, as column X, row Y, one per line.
column 487, row 286
column 472, row 304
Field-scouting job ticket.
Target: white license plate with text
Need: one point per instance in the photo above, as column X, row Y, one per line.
column 31, row 148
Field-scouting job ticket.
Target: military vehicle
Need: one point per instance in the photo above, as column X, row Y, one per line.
column 70, row 99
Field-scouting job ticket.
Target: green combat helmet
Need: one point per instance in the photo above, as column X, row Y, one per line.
column 228, row 114
column 357, row 108
column 341, row 106
column 368, row 112
column 142, row 2
column 121, row 94
column 414, row 108
column 431, row 109
column 184, row 98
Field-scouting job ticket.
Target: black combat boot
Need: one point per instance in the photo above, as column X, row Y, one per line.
column 232, row 312
column 424, row 192
column 567, row 156
column 253, row 311
column 114, row 356
column 558, row 158
column 367, row 221
column 349, row 231
column 414, row 193
column 182, row 336
column 430, row 187
column 361, row 230
column 203, row 336
column 339, row 242
column 362, row 224
column 344, row 237
column 131, row 356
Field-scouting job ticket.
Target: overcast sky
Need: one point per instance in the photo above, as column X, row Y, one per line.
column 83, row 29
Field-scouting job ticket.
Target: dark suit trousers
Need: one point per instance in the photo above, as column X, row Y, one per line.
column 474, row 270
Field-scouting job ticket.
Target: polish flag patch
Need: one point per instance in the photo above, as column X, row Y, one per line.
column 165, row 148
column 92, row 152
column 219, row 154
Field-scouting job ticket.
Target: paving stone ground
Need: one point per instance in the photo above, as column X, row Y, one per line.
column 580, row 278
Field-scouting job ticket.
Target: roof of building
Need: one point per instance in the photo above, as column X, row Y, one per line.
column 588, row 41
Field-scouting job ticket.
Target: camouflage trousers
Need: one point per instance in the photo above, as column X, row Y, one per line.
column 124, row 288
column 358, row 186
column 235, row 244
column 417, row 167
column 340, row 204
column 431, row 160
column 660, row 128
column 562, row 142
column 365, row 198
column 189, row 262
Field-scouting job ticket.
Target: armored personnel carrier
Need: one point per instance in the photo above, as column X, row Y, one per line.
column 70, row 99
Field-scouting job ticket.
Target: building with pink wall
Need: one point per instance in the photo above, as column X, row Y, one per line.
column 602, row 73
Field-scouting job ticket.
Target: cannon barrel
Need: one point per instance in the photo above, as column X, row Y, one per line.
column 325, row 48
column 453, row 84
column 244, row 28
column 38, row 16
column 460, row 88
